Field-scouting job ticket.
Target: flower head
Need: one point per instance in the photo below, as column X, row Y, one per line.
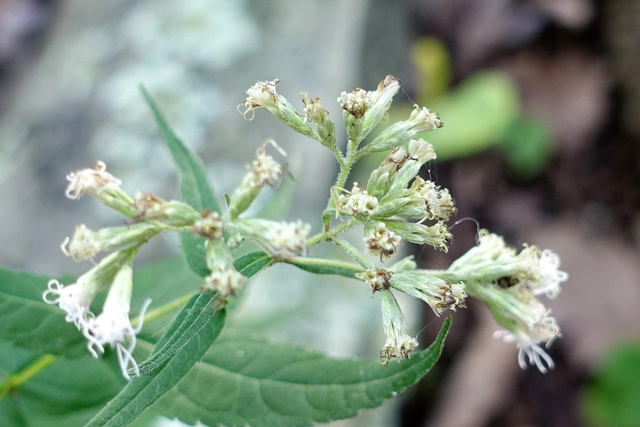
column 545, row 330
column 550, row 277
column 264, row 170
column 83, row 245
column 356, row 202
column 439, row 294
column 283, row 239
column 75, row 300
column 113, row 326
column 93, row 181
column 377, row 279
column 102, row 185
column 150, row 207
column 380, row 240
column 261, row 95
column 399, row 344
column 224, row 278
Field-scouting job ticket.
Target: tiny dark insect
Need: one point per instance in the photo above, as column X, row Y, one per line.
column 507, row 282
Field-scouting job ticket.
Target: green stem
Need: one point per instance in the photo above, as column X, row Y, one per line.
column 15, row 381
column 325, row 235
column 348, row 248
column 161, row 311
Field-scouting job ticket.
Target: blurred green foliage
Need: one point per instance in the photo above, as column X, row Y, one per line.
column 612, row 398
column 483, row 112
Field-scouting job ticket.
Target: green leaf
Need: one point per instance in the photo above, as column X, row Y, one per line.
column 194, row 187
column 195, row 329
column 326, row 266
column 68, row 393
column 244, row 381
column 611, row 397
column 26, row 321
column 252, row 263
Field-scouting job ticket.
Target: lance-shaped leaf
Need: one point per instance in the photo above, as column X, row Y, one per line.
column 194, row 187
column 194, row 330
column 253, row 382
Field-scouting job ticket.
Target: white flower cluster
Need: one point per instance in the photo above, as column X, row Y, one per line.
column 509, row 284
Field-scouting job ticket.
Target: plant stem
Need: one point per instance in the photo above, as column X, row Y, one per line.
column 325, row 235
column 348, row 248
column 161, row 311
column 15, row 381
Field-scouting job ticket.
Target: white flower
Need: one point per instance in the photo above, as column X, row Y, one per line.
column 113, row 326
column 83, row 245
column 261, row 95
column 546, row 330
column 93, row 181
column 226, row 282
column 355, row 102
column 286, row 238
column 356, row 202
column 550, row 276
column 381, row 241
column 422, row 119
column 73, row 299
column 264, row 170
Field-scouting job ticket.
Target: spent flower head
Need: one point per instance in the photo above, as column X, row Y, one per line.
column 263, row 171
column 101, row 184
column 380, row 241
column 399, row 343
column 86, row 243
column 439, row 294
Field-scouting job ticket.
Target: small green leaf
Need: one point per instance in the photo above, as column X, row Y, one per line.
column 244, row 381
column 252, row 263
column 26, row 321
column 194, row 187
column 326, row 266
column 195, row 329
